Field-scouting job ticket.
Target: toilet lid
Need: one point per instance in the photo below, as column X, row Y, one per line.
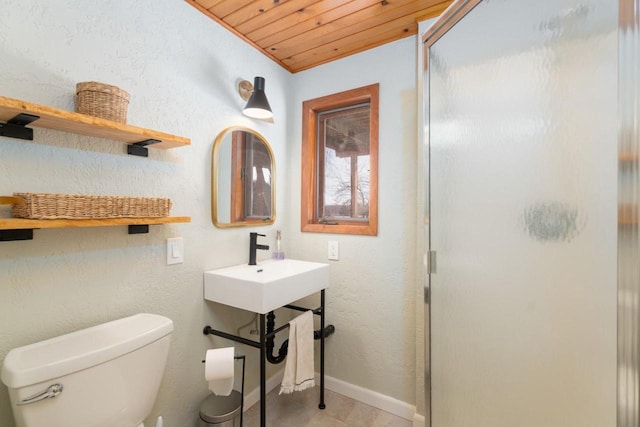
column 218, row 409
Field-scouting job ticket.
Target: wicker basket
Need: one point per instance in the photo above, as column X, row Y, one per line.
column 75, row 206
column 102, row 100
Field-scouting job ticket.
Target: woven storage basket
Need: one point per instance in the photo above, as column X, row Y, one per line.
column 75, row 206
column 102, row 100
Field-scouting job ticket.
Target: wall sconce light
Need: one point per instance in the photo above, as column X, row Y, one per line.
column 257, row 106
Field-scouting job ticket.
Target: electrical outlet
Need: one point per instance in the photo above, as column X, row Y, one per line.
column 334, row 251
column 175, row 250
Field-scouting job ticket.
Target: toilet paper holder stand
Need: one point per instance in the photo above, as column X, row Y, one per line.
column 244, row 359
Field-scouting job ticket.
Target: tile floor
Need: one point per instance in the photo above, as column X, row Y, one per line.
column 300, row 409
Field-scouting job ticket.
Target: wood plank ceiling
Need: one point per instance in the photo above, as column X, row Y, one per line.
column 301, row 34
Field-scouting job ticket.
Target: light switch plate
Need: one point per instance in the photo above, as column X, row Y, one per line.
column 334, row 251
column 175, row 250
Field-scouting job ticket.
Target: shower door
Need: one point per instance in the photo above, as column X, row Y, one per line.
column 521, row 131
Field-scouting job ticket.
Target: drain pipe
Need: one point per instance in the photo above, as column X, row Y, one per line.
column 270, row 344
column 284, row 348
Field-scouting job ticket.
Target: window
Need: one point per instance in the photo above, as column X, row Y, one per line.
column 340, row 163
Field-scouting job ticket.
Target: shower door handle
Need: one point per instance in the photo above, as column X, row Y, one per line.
column 52, row 391
column 431, row 262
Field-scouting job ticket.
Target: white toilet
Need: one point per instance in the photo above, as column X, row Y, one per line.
column 104, row 376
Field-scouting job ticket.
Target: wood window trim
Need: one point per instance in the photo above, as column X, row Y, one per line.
column 309, row 187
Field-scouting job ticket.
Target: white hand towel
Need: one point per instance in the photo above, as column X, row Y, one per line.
column 299, row 367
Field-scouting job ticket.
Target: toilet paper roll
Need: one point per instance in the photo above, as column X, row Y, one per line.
column 218, row 370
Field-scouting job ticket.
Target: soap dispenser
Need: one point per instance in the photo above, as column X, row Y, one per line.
column 278, row 253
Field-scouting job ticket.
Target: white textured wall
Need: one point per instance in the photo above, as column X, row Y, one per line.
column 181, row 69
column 372, row 296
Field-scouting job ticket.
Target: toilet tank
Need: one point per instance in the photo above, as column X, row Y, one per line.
column 109, row 374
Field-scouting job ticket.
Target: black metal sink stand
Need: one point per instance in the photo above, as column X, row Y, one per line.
column 265, row 335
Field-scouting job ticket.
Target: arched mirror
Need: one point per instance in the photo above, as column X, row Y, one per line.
column 243, row 188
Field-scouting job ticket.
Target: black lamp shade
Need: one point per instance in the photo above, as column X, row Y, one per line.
column 258, row 107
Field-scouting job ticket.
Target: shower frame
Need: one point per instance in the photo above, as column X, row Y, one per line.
column 628, row 261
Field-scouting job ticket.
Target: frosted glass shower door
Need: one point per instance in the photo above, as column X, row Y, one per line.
column 522, row 146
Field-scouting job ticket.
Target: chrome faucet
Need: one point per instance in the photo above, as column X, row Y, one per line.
column 254, row 246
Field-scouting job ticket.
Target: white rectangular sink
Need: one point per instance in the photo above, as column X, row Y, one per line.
column 267, row 286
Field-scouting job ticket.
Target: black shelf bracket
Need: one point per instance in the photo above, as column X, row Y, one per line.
column 138, row 228
column 27, row 233
column 19, row 234
column 16, row 127
column 140, row 148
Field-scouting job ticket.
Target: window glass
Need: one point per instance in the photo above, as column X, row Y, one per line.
column 343, row 182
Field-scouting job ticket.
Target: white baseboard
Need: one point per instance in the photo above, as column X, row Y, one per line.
column 371, row 398
column 361, row 394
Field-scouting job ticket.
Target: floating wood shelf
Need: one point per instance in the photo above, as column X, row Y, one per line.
column 20, row 223
column 67, row 121
column 22, row 229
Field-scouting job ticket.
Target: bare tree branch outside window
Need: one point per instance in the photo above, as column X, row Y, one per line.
column 346, row 177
